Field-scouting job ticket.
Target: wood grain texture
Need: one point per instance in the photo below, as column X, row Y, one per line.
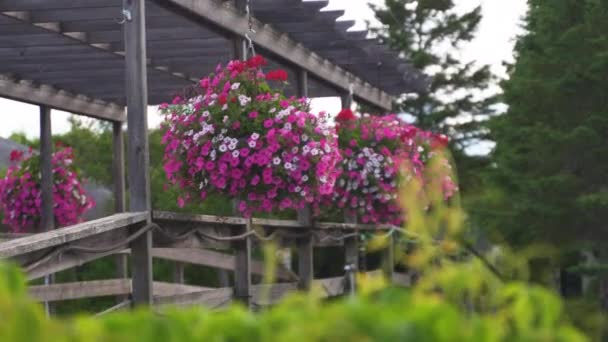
column 214, row 259
column 68, row 234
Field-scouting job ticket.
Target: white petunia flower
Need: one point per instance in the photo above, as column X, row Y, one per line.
column 235, row 86
column 223, row 148
column 276, row 160
column 255, row 136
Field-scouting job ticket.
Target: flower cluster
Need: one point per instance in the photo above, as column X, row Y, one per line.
column 20, row 194
column 374, row 148
column 237, row 136
column 432, row 147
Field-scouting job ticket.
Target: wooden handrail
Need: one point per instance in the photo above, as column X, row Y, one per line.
column 269, row 223
column 65, row 235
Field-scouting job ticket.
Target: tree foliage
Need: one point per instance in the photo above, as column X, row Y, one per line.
column 430, row 34
column 550, row 158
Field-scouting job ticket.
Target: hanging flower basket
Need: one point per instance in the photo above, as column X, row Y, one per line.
column 21, row 197
column 373, row 148
column 237, row 136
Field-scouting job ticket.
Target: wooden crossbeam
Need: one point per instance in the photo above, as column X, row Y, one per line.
column 28, row 92
column 210, row 298
column 210, row 258
column 102, row 288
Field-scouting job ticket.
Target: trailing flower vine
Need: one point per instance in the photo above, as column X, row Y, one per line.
column 21, row 197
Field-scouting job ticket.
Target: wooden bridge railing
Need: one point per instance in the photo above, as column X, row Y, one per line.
column 185, row 238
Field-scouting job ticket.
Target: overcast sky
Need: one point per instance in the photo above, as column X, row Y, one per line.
column 493, row 45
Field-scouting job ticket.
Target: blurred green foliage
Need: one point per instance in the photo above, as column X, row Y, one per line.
column 518, row 312
column 457, row 297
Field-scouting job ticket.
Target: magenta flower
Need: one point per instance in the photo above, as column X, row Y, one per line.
column 20, row 194
column 239, row 137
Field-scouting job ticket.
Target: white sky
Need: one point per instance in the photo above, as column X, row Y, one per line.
column 493, row 45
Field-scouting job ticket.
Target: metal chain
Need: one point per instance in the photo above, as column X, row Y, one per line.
column 250, row 45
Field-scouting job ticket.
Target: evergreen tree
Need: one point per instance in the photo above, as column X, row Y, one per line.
column 430, row 34
column 552, row 146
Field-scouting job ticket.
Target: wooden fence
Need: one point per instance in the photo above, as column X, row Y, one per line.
column 220, row 242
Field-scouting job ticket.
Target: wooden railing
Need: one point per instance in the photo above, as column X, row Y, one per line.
column 220, row 242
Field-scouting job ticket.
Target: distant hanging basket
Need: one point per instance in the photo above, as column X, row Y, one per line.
column 21, row 197
column 239, row 137
column 378, row 152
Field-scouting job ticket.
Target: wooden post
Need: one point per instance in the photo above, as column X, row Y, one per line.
column 305, row 251
column 302, row 83
column 388, row 258
column 47, row 221
column 242, row 270
column 139, row 160
column 304, row 245
column 118, row 175
column 178, row 273
column 118, row 167
column 239, row 45
column 351, row 252
column 346, row 100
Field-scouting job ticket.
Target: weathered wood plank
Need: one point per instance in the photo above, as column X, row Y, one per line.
column 66, row 262
column 77, row 290
column 194, row 218
column 214, row 259
column 210, row 298
column 268, row 223
column 163, row 289
column 331, row 286
column 64, row 235
column 101, row 288
column 402, row 279
column 55, row 98
column 353, row 226
column 268, row 294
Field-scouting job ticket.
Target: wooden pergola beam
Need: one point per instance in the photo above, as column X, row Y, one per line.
column 28, row 92
column 225, row 17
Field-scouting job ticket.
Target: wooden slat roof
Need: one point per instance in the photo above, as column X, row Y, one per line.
column 76, row 48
